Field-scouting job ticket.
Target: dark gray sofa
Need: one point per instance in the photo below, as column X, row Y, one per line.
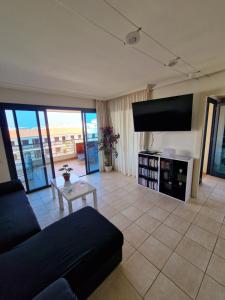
column 17, row 220
column 58, row 290
column 83, row 247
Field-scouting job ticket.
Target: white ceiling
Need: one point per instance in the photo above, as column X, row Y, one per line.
column 67, row 46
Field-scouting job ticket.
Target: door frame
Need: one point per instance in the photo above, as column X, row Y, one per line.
column 86, row 141
column 213, row 139
column 44, row 108
column 214, row 102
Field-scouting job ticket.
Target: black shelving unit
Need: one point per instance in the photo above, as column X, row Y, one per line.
column 170, row 176
column 173, row 178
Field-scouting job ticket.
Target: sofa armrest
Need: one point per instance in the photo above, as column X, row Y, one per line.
column 58, row 290
column 10, row 187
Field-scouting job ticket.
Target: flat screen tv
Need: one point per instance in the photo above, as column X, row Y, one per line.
column 166, row 114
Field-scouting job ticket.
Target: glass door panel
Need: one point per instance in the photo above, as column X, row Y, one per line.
column 91, row 141
column 31, row 149
column 15, row 146
column 46, row 145
column 218, row 166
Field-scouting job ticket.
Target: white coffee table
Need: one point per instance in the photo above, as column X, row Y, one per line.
column 73, row 190
column 58, row 183
column 77, row 190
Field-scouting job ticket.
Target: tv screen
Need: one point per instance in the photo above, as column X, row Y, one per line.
column 167, row 114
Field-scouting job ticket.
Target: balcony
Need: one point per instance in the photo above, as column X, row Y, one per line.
column 64, row 152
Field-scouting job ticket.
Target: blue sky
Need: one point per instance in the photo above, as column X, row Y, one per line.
column 27, row 119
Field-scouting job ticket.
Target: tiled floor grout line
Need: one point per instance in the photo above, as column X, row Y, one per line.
column 152, row 284
column 205, row 273
column 215, row 280
column 130, row 282
column 136, row 249
column 132, row 285
column 160, row 271
column 150, row 234
column 180, row 288
column 208, row 191
column 172, row 252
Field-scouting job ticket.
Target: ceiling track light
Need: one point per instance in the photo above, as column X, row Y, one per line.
column 172, row 62
column 193, row 75
column 149, row 36
column 133, row 37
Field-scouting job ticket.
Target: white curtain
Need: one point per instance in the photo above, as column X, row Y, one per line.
column 130, row 142
column 102, row 120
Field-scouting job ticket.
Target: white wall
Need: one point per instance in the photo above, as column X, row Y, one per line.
column 185, row 142
column 4, row 171
column 29, row 97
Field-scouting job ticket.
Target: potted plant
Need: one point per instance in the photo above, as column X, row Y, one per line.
column 66, row 173
column 107, row 144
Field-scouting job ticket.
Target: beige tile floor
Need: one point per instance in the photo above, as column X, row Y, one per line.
column 171, row 251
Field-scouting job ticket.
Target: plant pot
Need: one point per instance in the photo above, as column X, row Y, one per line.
column 66, row 176
column 108, row 168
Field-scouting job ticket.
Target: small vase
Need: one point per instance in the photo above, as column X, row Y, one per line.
column 108, row 169
column 66, row 176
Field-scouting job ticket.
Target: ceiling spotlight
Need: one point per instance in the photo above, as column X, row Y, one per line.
column 193, row 75
column 172, row 62
column 133, row 37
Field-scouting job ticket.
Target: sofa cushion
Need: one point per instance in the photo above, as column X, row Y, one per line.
column 10, row 187
column 17, row 220
column 78, row 244
column 58, row 290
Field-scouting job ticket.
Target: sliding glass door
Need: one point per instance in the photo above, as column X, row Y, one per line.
column 39, row 140
column 91, row 141
column 30, row 147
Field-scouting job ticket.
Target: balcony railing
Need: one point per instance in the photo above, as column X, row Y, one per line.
column 61, row 149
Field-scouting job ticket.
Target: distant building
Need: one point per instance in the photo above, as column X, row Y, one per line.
column 64, row 144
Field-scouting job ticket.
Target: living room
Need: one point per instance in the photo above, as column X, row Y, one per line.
column 124, row 208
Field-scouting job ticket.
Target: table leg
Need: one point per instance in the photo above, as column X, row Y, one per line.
column 61, row 205
column 95, row 199
column 53, row 191
column 84, row 201
column 70, row 207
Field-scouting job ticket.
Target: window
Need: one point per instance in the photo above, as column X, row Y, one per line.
column 63, row 138
column 37, row 153
column 79, row 136
column 35, row 141
column 15, row 156
column 72, row 137
column 25, row 142
column 56, row 138
column 45, row 140
column 13, row 143
column 58, row 149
